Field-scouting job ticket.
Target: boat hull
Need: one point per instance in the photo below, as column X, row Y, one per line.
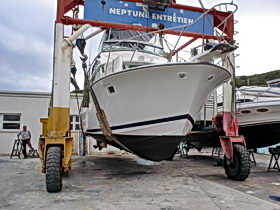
column 155, row 148
column 158, row 102
column 261, row 112
column 259, row 123
column 256, row 136
column 261, row 135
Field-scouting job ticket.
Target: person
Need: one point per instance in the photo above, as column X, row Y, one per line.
column 25, row 136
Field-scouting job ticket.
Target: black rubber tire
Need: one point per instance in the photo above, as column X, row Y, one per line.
column 239, row 170
column 53, row 169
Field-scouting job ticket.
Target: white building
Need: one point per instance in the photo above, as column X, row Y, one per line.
column 26, row 108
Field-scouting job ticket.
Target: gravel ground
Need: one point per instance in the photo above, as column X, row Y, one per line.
column 119, row 181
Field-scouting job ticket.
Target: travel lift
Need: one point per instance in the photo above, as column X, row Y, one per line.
column 56, row 143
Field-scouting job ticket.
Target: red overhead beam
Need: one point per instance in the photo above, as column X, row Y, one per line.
column 71, row 21
column 64, row 6
column 184, row 46
column 219, row 16
column 69, row 4
column 186, row 7
column 227, row 27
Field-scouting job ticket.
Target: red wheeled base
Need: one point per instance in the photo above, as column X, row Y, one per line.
column 237, row 158
column 227, row 144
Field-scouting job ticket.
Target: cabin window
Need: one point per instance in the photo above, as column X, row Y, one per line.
column 10, row 121
column 153, row 49
column 128, row 66
column 262, row 110
column 115, row 46
column 245, row 111
column 111, row 89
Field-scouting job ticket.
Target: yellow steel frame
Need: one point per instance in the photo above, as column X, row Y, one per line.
column 55, row 131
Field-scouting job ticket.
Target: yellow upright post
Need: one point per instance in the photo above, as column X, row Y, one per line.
column 56, row 144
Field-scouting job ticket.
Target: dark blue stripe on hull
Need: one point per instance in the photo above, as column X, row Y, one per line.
column 149, row 122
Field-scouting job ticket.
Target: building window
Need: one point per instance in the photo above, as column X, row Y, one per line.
column 75, row 123
column 10, row 121
column 11, row 117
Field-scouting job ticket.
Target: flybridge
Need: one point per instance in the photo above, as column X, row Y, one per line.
column 139, row 14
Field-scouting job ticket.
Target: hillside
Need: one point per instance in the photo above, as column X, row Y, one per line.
column 257, row 79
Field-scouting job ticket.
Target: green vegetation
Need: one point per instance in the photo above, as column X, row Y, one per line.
column 257, row 79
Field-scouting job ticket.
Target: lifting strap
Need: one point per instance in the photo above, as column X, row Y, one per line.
column 103, row 122
column 101, row 115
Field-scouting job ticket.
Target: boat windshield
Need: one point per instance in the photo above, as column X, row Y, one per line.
column 116, row 46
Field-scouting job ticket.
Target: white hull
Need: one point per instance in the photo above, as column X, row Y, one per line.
column 261, row 112
column 260, row 91
column 155, row 100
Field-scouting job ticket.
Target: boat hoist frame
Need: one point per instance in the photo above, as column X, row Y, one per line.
column 56, row 143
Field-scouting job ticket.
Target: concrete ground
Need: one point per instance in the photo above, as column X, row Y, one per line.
column 121, row 181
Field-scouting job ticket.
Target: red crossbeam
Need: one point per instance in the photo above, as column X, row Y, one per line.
column 64, row 6
column 184, row 45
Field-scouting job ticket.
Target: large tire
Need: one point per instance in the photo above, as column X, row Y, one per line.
column 53, row 169
column 239, row 169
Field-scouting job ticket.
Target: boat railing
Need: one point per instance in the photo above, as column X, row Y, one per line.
column 199, row 49
column 202, row 48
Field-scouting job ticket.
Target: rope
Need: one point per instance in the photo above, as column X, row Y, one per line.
column 100, row 113
column 79, row 111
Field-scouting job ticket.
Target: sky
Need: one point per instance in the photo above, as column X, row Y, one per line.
column 26, row 44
